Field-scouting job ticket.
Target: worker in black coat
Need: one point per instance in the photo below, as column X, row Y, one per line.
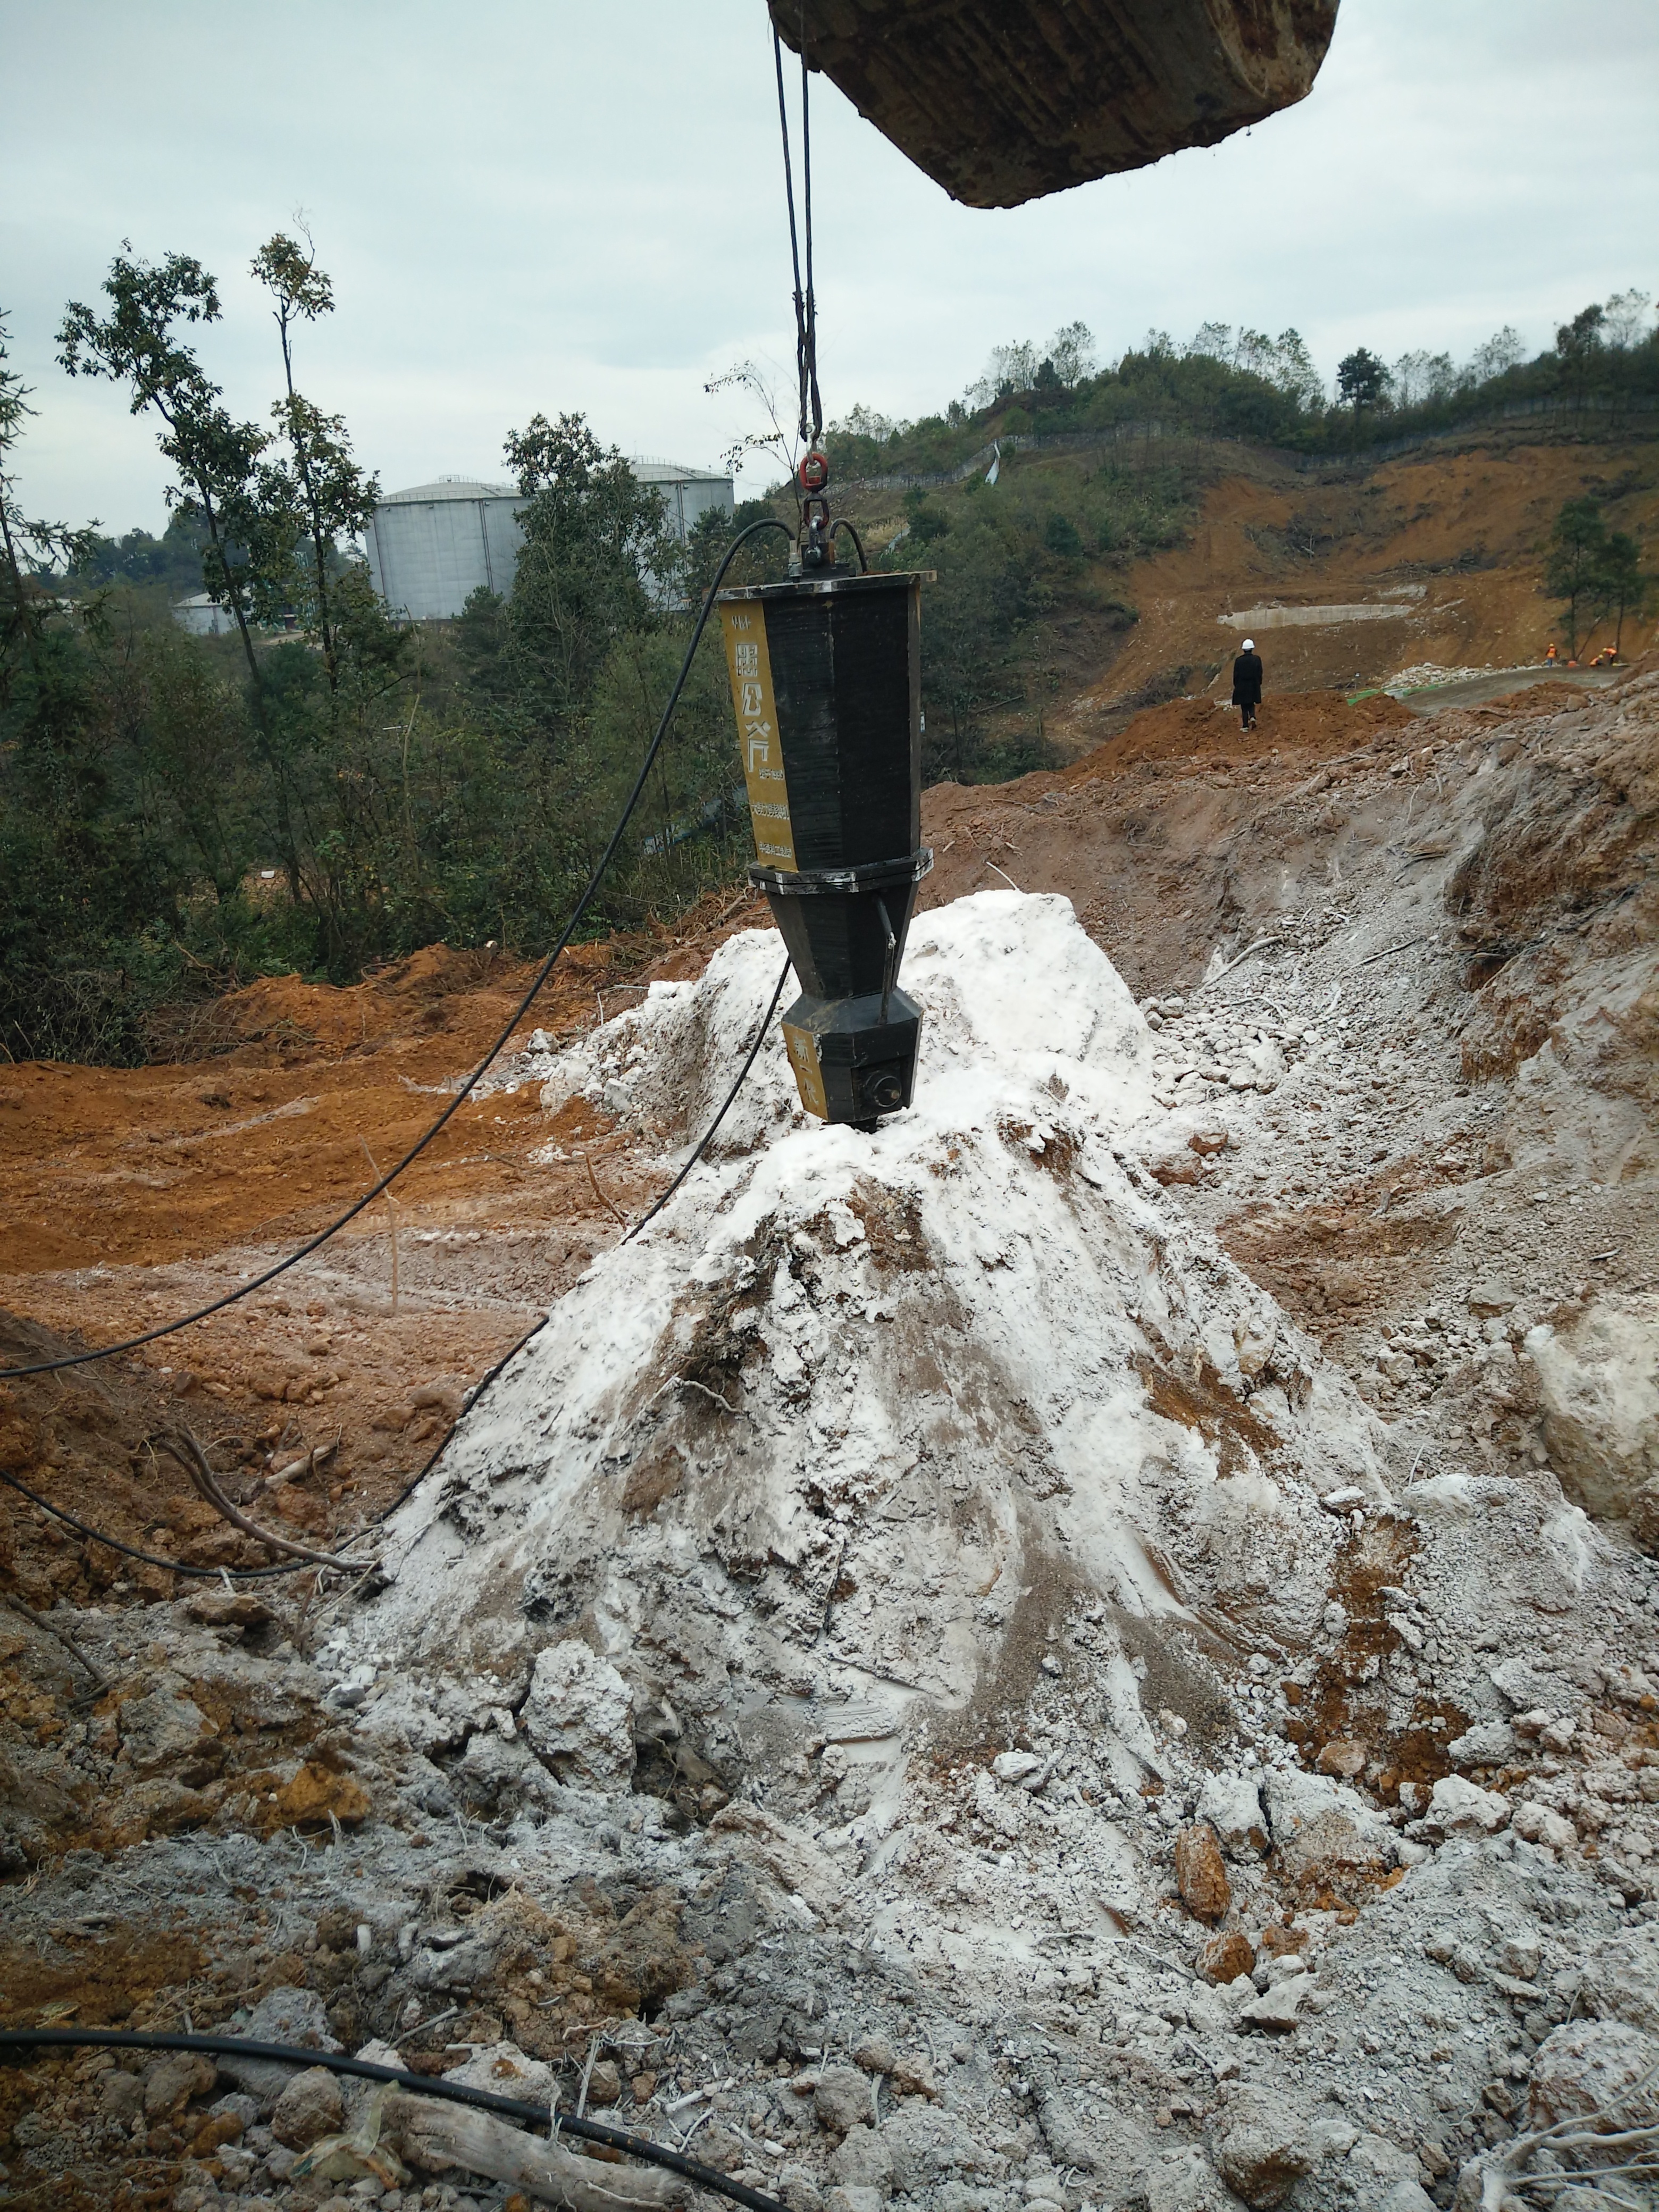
column 1247, row 684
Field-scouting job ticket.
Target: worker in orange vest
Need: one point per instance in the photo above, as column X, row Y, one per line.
column 1550, row 655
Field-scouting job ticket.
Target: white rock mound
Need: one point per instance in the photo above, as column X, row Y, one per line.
column 827, row 1455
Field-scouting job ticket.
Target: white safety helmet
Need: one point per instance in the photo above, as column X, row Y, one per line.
column 1249, row 644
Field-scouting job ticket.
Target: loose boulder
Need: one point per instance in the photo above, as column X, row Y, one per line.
column 1589, row 2065
column 578, row 1716
column 310, row 2108
column 1231, row 1805
column 1262, row 2148
column 1201, row 1872
column 1321, row 1827
column 1620, row 1979
column 1457, row 1803
column 1598, row 1382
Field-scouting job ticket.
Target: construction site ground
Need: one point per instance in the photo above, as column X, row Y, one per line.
column 1397, row 957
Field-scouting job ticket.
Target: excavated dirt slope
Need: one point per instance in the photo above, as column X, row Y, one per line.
column 1345, row 579
column 1100, row 1647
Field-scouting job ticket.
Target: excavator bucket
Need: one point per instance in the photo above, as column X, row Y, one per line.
column 1003, row 100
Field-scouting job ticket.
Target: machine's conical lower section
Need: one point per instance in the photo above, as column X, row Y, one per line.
column 826, row 681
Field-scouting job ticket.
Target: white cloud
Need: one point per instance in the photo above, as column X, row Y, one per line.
column 546, row 206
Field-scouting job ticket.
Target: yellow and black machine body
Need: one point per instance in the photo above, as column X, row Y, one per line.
column 826, row 680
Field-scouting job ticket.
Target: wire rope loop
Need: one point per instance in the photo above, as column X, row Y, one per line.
column 811, row 404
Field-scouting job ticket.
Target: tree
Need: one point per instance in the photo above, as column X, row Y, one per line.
column 338, row 497
column 1496, row 356
column 1072, row 350
column 1624, row 319
column 246, row 506
column 171, row 562
column 249, row 520
column 28, row 549
column 1361, row 380
column 1574, row 561
column 1069, row 358
column 1061, row 535
column 592, row 535
column 1420, row 377
column 1620, row 588
column 1578, row 345
column 1293, row 372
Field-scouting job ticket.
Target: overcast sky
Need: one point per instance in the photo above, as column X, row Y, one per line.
column 532, row 204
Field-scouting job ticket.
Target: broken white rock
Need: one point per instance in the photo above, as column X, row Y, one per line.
column 577, row 1717
column 1620, row 1979
column 1276, row 2008
column 287, row 2015
column 1378, row 2162
column 1186, row 2183
column 1319, row 1823
column 1488, row 1743
column 1590, row 2064
column 1231, row 1804
column 1537, row 1824
column 510, row 2072
column 1456, row 1803
column 1014, row 1766
column 1260, row 2145
column 1523, row 1688
column 1598, row 1382
column 1407, row 2197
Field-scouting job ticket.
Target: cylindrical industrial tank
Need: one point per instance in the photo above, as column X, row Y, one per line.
column 826, row 681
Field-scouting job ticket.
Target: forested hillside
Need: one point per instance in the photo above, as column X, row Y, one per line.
column 322, row 788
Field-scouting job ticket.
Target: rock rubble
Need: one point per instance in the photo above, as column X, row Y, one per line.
column 1024, row 1663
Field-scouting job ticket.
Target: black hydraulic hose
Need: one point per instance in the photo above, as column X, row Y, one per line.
column 841, row 523
column 650, row 1214
column 289, row 1566
column 16, row 2040
column 708, row 1136
column 299, row 1566
column 448, row 1436
column 154, row 1559
column 259, row 1282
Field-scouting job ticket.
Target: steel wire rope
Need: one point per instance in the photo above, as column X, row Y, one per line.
column 806, row 232
column 16, row 2040
column 293, row 1260
column 806, row 313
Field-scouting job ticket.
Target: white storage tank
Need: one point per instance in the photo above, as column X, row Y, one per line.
column 686, row 493
column 201, row 617
column 431, row 547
